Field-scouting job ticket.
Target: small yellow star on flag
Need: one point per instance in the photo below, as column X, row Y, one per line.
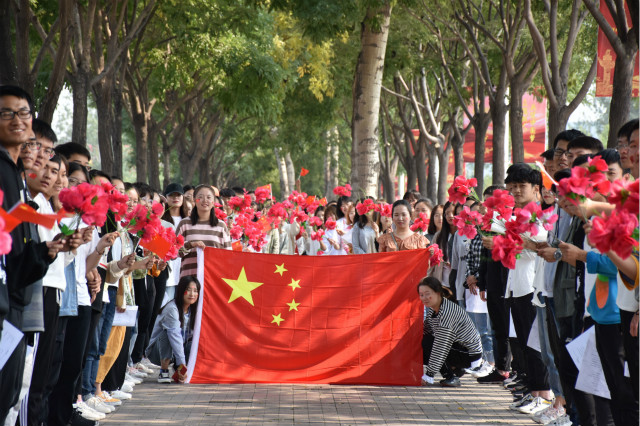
column 280, row 269
column 294, row 284
column 293, row 306
column 277, row 319
column 242, row 287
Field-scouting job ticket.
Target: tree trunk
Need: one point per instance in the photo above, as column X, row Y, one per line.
column 335, row 168
column 365, row 161
column 458, row 154
column 291, row 172
column 154, row 160
column 25, row 79
column 116, row 136
column 166, row 163
column 621, row 95
column 282, row 172
column 327, row 164
column 102, row 93
column 515, row 121
column 8, row 68
column 412, row 176
column 432, row 179
column 421, row 167
column 481, row 125
column 80, row 93
column 443, row 173
column 498, row 113
column 556, row 122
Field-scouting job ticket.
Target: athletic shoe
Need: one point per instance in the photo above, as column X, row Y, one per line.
column 484, row 370
column 149, row 364
column 561, row 421
column 548, row 415
column 518, row 387
column 521, row 402
column 109, row 399
column 493, row 377
column 77, row 419
column 127, row 387
column 129, row 378
column 143, row 368
column 136, row 373
column 474, row 370
column 164, row 377
column 538, row 404
column 100, row 406
column 512, row 378
column 121, row 395
column 87, row 412
column 452, row 382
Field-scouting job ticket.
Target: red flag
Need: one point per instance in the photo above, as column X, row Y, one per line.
column 10, row 222
column 157, row 245
column 310, row 319
column 547, row 180
column 25, row 213
column 303, row 172
column 236, row 246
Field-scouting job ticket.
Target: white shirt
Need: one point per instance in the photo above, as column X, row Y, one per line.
column 84, row 299
column 521, row 279
column 55, row 274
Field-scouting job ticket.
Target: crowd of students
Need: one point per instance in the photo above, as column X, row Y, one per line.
column 70, row 296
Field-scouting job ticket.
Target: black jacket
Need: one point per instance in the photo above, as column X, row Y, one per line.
column 28, row 260
column 492, row 275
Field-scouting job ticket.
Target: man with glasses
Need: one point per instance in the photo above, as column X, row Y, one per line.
column 29, row 154
column 45, row 138
column 560, row 148
column 623, row 143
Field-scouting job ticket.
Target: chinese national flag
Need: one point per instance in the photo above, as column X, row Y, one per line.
column 157, row 245
column 25, row 213
column 303, row 171
column 309, row 319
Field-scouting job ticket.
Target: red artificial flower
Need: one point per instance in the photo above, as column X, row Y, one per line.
column 624, row 195
column 143, row 221
column 320, row 253
column 461, row 189
column 343, row 190
column 88, row 201
column 597, row 166
column 365, row 207
column 502, row 202
column 615, row 233
column 220, row 214
column 506, row 248
column 548, row 218
column 525, row 219
column 421, row 223
column 240, row 204
column 317, row 236
column 315, row 221
column 5, row 237
column 467, row 222
column 436, row 255
column 298, row 198
column 117, row 201
column 262, row 193
column 299, row 216
column 385, row 209
column 330, row 223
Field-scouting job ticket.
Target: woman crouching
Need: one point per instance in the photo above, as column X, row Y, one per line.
column 173, row 330
column 450, row 342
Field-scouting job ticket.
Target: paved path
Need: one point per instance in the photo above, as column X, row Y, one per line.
column 156, row 404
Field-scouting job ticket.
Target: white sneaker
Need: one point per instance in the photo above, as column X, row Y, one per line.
column 88, row 412
column 561, row 421
column 136, row 373
column 109, row 399
column 164, row 377
column 521, row 402
column 129, row 378
column 143, row 368
column 99, row 406
column 149, row 364
column 127, row 387
column 538, row 404
column 121, row 395
column 548, row 415
column 484, row 370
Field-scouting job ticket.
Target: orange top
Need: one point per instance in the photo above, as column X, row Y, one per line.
column 415, row 241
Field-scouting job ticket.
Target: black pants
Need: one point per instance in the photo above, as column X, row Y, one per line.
column 499, row 316
column 523, row 314
column 115, row 377
column 43, row 357
column 457, row 360
column 12, row 372
column 93, row 325
column 65, row 391
column 624, row 406
column 145, row 297
column 160, row 283
column 630, row 345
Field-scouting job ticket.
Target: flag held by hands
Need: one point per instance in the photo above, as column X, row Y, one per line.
column 303, row 172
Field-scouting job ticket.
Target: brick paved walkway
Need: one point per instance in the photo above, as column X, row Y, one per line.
column 163, row 405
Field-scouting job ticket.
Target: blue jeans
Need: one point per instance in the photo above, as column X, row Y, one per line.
column 98, row 343
column 545, row 350
column 483, row 325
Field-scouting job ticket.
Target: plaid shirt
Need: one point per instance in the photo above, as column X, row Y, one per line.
column 473, row 257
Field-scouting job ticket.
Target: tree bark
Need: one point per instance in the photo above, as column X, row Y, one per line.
column 365, row 161
column 80, row 93
column 291, row 172
column 102, row 94
column 116, row 135
column 8, row 68
column 421, row 167
column 621, row 95
column 515, row 120
column 443, row 172
column 498, row 112
column 327, row 163
column 166, row 163
column 335, row 168
column 282, row 172
column 481, row 125
column 432, row 180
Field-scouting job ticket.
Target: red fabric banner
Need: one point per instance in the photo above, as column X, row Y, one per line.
column 311, row 319
column 607, row 57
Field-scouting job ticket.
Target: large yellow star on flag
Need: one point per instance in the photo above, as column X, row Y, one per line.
column 294, row 284
column 280, row 269
column 293, row 306
column 277, row 319
column 242, row 287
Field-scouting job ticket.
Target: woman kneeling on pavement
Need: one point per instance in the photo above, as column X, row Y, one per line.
column 450, row 342
column 173, row 330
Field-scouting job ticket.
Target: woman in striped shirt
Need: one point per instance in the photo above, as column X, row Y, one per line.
column 450, row 342
column 201, row 229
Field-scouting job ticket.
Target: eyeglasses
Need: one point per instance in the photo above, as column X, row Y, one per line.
column 622, row 146
column 75, row 181
column 48, row 152
column 558, row 152
column 31, row 146
column 23, row 114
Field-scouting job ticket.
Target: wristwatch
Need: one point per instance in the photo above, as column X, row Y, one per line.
column 557, row 255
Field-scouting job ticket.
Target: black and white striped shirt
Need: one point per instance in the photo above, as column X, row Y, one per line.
column 450, row 325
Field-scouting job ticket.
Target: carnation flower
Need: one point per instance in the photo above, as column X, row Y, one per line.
column 461, row 189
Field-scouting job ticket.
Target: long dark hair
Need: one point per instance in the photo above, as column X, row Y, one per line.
column 341, row 201
column 181, row 288
column 213, row 219
column 443, row 237
column 361, row 221
column 432, row 223
column 434, row 284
